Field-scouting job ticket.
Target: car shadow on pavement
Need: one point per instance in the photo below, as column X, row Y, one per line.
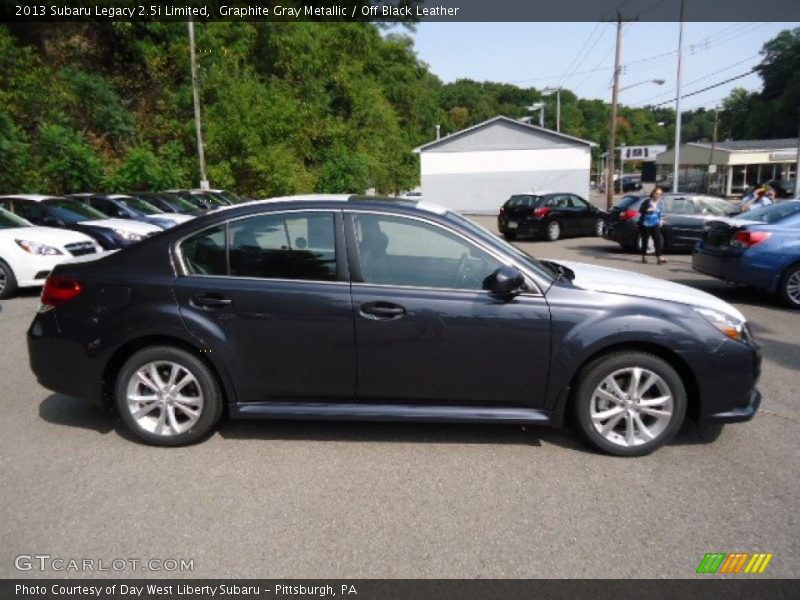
column 59, row 409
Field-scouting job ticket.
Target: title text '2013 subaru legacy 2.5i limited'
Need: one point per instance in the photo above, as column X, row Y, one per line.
column 361, row 308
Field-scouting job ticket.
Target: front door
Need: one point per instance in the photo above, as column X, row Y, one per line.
column 427, row 332
column 270, row 292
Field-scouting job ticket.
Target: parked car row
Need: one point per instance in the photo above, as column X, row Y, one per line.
column 86, row 223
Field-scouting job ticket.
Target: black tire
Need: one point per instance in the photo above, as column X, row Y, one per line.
column 595, row 372
column 213, row 402
column 8, row 282
column 787, row 289
column 510, row 235
column 552, row 231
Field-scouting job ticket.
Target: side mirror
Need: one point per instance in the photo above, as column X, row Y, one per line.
column 505, row 282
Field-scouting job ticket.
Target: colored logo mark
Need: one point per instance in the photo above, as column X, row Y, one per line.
column 734, row 562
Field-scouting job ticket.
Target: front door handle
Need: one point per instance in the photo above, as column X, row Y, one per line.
column 210, row 301
column 384, row 311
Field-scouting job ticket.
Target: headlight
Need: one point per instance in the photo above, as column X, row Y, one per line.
column 733, row 328
column 128, row 235
column 37, row 248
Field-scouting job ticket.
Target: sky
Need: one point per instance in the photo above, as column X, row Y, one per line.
column 580, row 57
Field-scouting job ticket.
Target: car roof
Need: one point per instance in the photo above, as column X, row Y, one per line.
column 32, row 197
column 343, row 198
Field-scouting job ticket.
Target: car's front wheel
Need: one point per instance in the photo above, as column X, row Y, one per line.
column 789, row 289
column 167, row 396
column 629, row 403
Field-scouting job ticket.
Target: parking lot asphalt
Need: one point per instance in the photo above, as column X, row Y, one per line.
column 326, row 499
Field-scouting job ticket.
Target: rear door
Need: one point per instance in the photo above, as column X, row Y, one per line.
column 270, row 292
column 427, row 332
column 683, row 221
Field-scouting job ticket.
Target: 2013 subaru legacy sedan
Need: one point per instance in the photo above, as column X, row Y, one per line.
column 368, row 309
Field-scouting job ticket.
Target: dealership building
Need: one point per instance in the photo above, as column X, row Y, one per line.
column 476, row 169
column 731, row 166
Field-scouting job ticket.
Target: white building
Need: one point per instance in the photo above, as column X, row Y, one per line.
column 476, row 169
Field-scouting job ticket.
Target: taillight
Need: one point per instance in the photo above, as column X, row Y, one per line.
column 502, row 211
column 748, row 239
column 541, row 211
column 627, row 215
column 58, row 290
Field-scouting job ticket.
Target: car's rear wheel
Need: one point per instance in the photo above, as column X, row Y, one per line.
column 789, row 289
column 651, row 245
column 598, row 227
column 553, row 232
column 167, row 396
column 510, row 235
column 629, row 403
column 8, row 283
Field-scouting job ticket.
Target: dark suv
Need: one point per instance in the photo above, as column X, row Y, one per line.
column 549, row 215
column 363, row 308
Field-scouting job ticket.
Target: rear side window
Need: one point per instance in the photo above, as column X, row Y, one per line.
column 204, row 252
column 284, row 246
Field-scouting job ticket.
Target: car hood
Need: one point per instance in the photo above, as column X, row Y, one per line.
column 629, row 283
column 51, row 236
column 124, row 224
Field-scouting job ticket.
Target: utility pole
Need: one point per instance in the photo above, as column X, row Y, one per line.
column 612, row 138
column 677, row 162
column 712, row 168
column 197, row 124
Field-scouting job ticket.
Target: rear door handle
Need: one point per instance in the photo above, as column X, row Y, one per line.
column 210, row 301
column 384, row 311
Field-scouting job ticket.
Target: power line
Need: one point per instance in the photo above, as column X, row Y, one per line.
column 705, row 89
column 574, row 63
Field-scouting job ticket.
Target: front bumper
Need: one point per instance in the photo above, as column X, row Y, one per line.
column 738, row 414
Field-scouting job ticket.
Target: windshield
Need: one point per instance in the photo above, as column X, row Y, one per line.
column 72, row 211
column 141, row 206
column 488, row 237
column 522, row 201
column 9, row 220
column 717, row 206
column 772, row 213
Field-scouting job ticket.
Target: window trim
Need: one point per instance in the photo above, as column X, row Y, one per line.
column 182, row 269
column 533, row 287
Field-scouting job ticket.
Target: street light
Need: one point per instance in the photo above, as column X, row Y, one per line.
column 547, row 92
column 656, row 81
column 612, row 137
column 540, row 107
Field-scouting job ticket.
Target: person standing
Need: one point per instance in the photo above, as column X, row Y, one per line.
column 650, row 223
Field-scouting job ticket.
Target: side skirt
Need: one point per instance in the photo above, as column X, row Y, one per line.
column 389, row 412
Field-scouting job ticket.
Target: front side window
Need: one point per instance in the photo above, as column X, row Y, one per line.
column 284, row 246
column 578, row 202
column 407, row 252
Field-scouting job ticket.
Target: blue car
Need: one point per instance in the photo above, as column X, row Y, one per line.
column 759, row 248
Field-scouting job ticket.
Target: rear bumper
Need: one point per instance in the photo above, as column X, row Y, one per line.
column 735, row 268
column 625, row 234
column 523, row 226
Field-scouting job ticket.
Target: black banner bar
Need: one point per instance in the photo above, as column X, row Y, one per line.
column 399, row 10
column 751, row 587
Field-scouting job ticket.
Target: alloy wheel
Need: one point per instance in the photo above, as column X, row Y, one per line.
column 598, row 231
column 553, row 231
column 3, row 280
column 631, row 407
column 164, row 398
column 792, row 287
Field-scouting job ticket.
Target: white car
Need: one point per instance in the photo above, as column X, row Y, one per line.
column 28, row 253
column 69, row 213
